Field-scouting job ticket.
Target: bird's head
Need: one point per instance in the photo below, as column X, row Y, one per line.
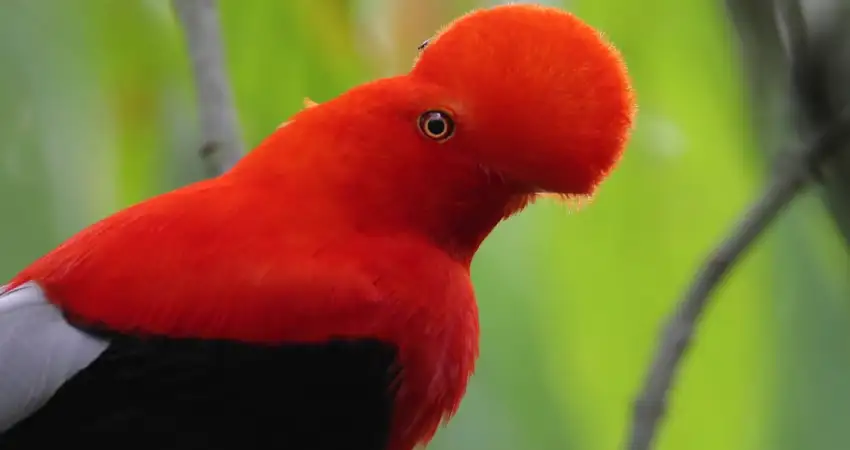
column 534, row 93
column 501, row 105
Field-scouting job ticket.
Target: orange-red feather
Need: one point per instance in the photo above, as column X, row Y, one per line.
column 542, row 96
column 348, row 221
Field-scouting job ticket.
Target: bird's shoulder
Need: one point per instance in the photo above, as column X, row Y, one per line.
column 39, row 351
column 94, row 386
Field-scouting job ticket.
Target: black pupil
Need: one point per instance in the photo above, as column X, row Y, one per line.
column 436, row 125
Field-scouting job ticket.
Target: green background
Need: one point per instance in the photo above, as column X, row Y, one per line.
column 97, row 112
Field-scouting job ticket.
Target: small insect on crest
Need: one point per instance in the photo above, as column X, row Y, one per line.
column 423, row 45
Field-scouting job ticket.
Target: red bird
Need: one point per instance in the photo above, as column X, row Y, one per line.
column 318, row 295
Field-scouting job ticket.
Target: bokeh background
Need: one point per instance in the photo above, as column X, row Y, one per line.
column 97, row 112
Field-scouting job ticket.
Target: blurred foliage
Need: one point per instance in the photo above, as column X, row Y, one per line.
column 814, row 404
column 97, row 112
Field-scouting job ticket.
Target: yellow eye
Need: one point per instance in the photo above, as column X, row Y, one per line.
column 437, row 125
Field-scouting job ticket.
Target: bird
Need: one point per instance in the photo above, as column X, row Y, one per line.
column 317, row 295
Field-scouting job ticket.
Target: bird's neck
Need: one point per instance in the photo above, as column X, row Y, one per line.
column 458, row 228
column 450, row 206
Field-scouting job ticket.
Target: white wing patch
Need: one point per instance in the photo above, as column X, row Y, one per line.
column 39, row 351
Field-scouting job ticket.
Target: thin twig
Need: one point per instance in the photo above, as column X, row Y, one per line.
column 222, row 142
column 789, row 180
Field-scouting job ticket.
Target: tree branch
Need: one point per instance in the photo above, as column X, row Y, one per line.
column 222, row 142
column 788, row 181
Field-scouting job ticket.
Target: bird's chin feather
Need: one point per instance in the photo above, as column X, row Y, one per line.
column 573, row 202
column 517, row 203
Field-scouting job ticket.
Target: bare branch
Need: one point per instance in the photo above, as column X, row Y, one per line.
column 788, row 181
column 222, row 143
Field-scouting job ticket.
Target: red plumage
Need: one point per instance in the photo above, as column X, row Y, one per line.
column 348, row 222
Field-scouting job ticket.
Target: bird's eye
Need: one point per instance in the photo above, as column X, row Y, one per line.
column 437, row 125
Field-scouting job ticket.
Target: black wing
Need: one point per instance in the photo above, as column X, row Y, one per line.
column 183, row 394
